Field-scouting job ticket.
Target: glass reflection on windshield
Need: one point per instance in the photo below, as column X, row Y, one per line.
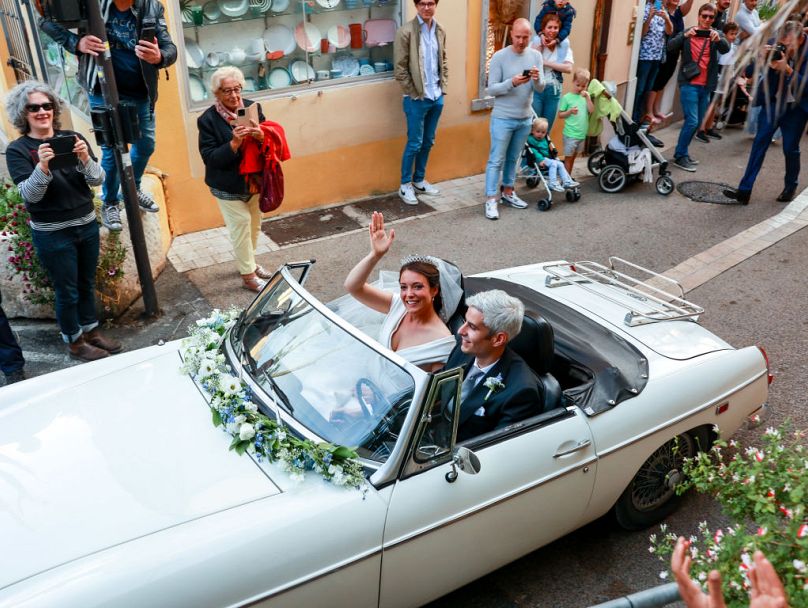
column 335, row 385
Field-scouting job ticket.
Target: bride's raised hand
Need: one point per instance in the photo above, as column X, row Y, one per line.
column 380, row 239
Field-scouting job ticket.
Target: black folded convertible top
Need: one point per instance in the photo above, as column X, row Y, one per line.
column 619, row 371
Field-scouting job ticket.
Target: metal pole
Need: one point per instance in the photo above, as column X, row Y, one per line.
column 123, row 161
column 655, row 597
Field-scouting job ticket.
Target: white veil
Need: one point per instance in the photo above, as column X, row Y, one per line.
column 451, row 291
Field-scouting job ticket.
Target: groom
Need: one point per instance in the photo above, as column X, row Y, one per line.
column 499, row 387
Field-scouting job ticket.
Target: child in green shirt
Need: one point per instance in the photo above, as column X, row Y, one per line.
column 575, row 108
column 540, row 147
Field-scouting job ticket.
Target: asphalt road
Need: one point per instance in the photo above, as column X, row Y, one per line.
column 760, row 301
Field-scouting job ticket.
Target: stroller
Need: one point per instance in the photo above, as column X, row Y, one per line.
column 628, row 154
column 534, row 174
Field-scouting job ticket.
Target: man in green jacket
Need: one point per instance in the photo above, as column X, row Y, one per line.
column 421, row 69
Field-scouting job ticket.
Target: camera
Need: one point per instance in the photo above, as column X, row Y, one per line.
column 779, row 52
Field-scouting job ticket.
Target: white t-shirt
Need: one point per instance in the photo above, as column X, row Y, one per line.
column 562, row 50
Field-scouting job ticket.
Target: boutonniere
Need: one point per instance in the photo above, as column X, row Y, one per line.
column 493, row 384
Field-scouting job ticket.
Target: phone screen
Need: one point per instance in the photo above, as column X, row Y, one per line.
column 147, row 33
column 703, row 33
column 526, row 73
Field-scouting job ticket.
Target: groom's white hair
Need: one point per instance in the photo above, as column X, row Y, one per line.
column 501, row 312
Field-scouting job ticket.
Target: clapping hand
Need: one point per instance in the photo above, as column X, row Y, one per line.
column 380, row 239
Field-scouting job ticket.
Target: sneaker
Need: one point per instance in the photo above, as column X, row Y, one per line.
column 513, row 200
column 684, row 163
column 406, row 193
column 702, row 137
column 111, row 217
column 146, row 202
column 491, row 209
column 713, row 133
column 426, row 188
column 556, row 187
column 692, row 160
column 571, row 184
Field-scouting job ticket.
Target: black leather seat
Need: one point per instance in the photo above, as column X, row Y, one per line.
column 535, row 345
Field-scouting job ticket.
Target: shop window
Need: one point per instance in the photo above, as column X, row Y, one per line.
column 497, row 15
column 287, row 45
column 60, row 72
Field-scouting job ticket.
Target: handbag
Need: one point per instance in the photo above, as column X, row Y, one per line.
column 271, row 187
column 691, row 69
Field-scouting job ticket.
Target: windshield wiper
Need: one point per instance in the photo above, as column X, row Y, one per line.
column 278, row 393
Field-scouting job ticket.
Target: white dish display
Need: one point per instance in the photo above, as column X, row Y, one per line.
column 347, row 64
column 302, row 71
column 339, row 36
column 308, row 36
column 261, row 5
column 278, row 37
column 194, row 54
column 234, row 8
column 249, row 85
column 328, row 3
column 366, row 70
column 279, row 78
column 198, row 90
column 279, row 6
column 211, row 11
column 237, row 56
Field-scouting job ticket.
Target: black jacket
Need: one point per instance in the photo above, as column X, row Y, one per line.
column 520, row 397
column 681, row 44
column 147, row 12
column 221, row 163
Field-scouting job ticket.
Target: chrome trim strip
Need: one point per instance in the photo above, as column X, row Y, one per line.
column 489, row 504
column 678, row 419
column 253, row 601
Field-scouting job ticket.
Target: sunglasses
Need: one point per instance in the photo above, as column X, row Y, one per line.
column 35, row 107
column 710, row 17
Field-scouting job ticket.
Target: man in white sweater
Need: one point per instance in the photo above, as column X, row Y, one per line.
column 510, row 70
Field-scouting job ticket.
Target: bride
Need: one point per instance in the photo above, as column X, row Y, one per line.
column 429, row 288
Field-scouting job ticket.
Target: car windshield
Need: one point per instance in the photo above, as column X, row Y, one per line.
column 330, row 381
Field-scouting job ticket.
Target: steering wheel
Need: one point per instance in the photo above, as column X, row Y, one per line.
column 378, row 397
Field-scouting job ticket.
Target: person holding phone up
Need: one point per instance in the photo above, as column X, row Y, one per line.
column 698, row 75
column 513, row 74
column 140, row 46
column 656, row 26
column 59, row 201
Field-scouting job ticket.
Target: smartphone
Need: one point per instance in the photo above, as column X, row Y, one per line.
column 658, row 5
column 245, row 116
column 64, row 157
column 703, row 33
column 148, row 33
column 526, row 73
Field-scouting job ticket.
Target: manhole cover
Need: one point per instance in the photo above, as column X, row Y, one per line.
column 706, row 192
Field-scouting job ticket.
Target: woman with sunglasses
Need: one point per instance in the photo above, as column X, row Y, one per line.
column 59, row 198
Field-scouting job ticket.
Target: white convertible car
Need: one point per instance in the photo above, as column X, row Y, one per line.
column 117, row 490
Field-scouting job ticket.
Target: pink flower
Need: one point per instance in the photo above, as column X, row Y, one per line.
column 802, row 531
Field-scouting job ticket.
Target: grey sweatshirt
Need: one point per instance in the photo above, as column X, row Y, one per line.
column 513, row 102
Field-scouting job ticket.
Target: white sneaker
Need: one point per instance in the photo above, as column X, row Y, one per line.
column 407, row 194
column 513, row 200
column 426, row 188
column 556, row 187
column 572, row 184
column 491, row 209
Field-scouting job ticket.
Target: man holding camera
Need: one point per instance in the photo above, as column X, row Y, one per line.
column 783, row 99
column 698, row 75
column 140, row 46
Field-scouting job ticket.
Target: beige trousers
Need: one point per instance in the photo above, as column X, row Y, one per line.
column 243, row 221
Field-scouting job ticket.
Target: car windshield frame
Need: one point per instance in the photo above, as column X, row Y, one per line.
column 272, row 401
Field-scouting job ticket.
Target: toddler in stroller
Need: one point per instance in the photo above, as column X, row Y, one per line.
column 540, row 155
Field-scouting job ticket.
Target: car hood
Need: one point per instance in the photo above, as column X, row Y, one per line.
column 100, row 454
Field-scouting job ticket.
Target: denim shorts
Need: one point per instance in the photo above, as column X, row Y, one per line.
column 572, row 145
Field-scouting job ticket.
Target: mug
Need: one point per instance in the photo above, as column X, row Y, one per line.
column 216, row 58
column 335, row 73
column 324, row 45
column 380, row 66
column 356, row 35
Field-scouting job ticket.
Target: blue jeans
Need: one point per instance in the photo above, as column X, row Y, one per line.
column 545, row 104
column 695, row 99
column 70, row 257
column 422, row 123
column 508, row 137
column 11, row 359
column 140, row 151
column 646, row 76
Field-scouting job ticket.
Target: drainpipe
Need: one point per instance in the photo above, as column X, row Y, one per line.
column 655, row 597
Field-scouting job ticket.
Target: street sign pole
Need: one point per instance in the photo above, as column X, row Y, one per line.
column 123, row 161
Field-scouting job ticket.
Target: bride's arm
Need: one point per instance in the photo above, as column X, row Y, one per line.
column 356, row 282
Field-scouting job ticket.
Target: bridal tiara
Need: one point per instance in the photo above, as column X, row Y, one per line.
column 427, row 259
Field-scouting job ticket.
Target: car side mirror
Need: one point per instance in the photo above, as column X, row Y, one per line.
column 465, row 460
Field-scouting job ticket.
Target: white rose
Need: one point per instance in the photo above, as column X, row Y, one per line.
column 246, row 432
column 250, row 406
column 240, row 419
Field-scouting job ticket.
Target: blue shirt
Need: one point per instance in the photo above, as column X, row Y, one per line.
column 122, row 36
column 429, row 59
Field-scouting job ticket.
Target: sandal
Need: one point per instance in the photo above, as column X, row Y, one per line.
column 252, row 283
column 261, row 273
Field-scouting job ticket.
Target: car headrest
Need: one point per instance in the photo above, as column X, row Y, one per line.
column 535, row 343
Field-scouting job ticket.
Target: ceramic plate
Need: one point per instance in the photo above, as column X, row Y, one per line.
column 279, row 6
column 198, row 90
column 249, row 85
column 339, row 36
column 307, row 36
column 328, row 3
column 302, row 71
column 234, row 8
column 278, row 37
column 261, row 6
column 211, row 11
column 366, row 70
column 279, row 78
column 194, row 54
column 347, row 63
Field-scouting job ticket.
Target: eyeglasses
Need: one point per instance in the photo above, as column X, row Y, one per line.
column 708, row 17
column 427, row 4
column 230, row 91
column 36, row 107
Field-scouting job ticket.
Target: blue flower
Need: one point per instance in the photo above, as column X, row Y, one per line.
column 327, row 458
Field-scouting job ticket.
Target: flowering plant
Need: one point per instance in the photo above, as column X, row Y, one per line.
column 763, row 491
column 253, row 432
column 493, row 384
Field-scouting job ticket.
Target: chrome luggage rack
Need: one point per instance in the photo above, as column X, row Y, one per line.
column 653, row 302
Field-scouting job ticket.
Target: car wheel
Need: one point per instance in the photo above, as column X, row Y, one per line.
column 532, row 182
column 651, row 495
column 612, row 179
column 596, row 162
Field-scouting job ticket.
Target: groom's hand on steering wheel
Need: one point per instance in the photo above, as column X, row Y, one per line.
column 380, row 240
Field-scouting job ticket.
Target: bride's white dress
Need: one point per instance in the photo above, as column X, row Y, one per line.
column 436, row 351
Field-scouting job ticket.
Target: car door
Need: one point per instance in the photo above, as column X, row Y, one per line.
column 444, row 529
